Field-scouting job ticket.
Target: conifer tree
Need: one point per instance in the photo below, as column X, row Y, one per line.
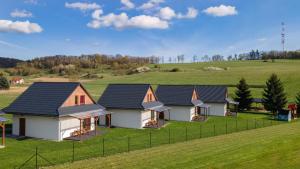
column 274, row 97
column 243, row 95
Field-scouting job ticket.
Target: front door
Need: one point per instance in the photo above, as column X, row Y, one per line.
column 108, row 120
column 87, row 124
column 22, row 126
column 161, row 115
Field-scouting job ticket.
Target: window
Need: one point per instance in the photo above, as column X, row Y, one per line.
column 82, row 99
column 76, row 100
column 152, row 115
column 150, row 97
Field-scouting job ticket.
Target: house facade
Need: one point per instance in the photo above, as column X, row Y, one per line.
column 215, row 96
column 132, row 106
column 54, row 111
column 183, row 101
column 17, row 81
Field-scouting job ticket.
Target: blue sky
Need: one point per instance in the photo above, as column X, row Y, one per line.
column 31, row 28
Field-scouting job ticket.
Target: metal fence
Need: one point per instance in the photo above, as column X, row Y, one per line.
column 70, row 151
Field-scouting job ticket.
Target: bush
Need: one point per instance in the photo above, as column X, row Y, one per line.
column 4, row 84
column 175, row 70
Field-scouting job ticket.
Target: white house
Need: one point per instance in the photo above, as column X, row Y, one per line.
column 17, row 81
column 183, row 101
column 54, row 111
column 215, row 96
column 132, row 106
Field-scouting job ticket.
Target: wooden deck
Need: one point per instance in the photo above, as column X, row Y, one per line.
column 86, row 136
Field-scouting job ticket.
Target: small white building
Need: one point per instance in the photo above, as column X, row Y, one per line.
column 17, row 81
column 183, row 101
column 132, row 106
column 54, row 111
column 215, row 96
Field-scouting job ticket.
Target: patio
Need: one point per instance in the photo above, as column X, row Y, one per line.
column 86, row 135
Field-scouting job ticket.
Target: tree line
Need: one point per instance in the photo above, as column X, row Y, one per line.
column 68, row 65
column 274, row 98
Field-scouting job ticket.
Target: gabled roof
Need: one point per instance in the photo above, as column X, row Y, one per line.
column 212, row 93
column 180, row 95
column 43, row 98
column 124, row 96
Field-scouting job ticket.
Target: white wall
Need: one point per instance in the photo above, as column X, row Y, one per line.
column 38, row 127
column 130, row 118
column 181, row 113
column 217, row 109
column 70, row 124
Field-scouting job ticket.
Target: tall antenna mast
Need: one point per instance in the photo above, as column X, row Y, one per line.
column 283, row 36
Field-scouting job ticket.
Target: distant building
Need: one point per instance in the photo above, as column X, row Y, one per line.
column 17, row 81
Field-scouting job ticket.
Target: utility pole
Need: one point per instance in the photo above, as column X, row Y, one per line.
column 283, row 37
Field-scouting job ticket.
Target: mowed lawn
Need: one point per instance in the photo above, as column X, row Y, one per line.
column 272, row 147
column 119, row 140
column 255, row 72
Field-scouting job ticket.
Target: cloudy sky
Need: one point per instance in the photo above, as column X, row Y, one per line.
column 31, row 28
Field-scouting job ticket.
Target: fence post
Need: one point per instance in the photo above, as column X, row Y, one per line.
column 200, row 131
column 226, row 126
column 150, row 142
column 103, row 147
column 214, row 129
column 236, row 129
column 36, row 158
column 186, row 133
column 73, row 155
column 169, row 135
column 247, row 124
column 128, row 145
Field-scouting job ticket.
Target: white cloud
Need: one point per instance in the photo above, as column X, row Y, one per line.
column 82, row 6
column 19, row 26
column 261, row 39
column 148, row 22
column 151, row 4
column 11, row 45
column 20, row 14
column 221, row 10
column 34, row 2
column 122, row 20
column 97, row 13
column 191, row 13
column 128, row 4
column 166, row 13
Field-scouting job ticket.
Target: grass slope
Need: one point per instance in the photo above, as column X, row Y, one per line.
column 255, row 72
column 271, row 147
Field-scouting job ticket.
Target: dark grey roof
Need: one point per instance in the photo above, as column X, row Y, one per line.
column 78, row 109
column 180, row 95
column 42, row 98
column 2, row 119
column 149, row 105
column 212, row 93
column 124, row 96
column 257, row 100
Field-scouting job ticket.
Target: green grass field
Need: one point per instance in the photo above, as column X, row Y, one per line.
column 118, row 140
column 255, row 72
column 272, row 147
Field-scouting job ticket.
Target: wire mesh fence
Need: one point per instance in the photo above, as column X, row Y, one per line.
column 71, row 151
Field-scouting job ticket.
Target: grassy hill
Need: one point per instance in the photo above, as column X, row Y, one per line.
column 8, row 62
column 255, row 72
column 271, row 147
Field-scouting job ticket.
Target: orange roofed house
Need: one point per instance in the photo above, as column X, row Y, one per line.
column 54, row 111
